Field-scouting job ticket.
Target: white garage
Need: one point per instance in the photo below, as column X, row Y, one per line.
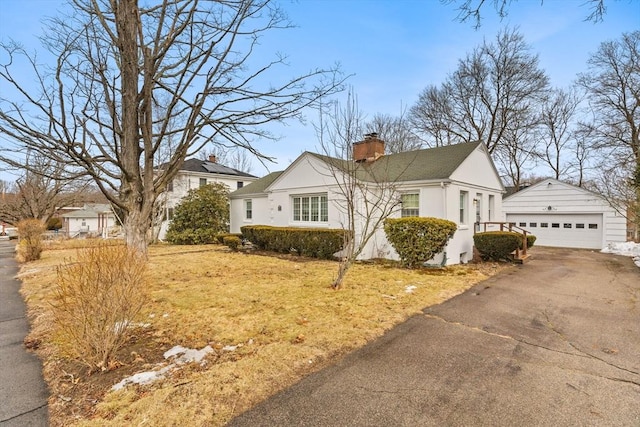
column 563, row 215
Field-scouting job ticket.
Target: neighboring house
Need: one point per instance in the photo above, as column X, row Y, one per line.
column 563, row 215
column 458, row 182
column 91, row 219
column 195, row 173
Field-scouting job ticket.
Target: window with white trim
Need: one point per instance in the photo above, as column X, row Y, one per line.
column 248, row 209
column 464, row 197
column 203, row 182
column 410, row 204
column 311, row 208
column 492, row 204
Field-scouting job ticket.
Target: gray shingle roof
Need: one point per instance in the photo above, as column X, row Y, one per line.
column 258, row 186
column 419, row 165
column 205, row 166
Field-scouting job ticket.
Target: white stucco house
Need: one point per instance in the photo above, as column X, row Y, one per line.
column 195, row 173
column 563, row 215
column 458, row 182
column 89, row 220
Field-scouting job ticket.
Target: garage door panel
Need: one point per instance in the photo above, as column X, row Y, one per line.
column 562, row 230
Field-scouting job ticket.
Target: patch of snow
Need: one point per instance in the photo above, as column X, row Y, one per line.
column 174, row 351
column 230, row 348
column 186, row 355
column 625, row 249
column 409, row 289
column 142, row 378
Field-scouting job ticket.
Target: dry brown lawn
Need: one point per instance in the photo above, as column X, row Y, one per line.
column 280, row 312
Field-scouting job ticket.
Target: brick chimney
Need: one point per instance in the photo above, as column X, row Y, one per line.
column 212, row 158
column 368, row 150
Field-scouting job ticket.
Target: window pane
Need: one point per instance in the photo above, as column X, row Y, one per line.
column 566, row 225
column 544, row 224
column 203, row 181
column 593, row 226
column 463, row 207
column 305, row 208
column 296, row 208
column 410, row 205
column 522, row 224
column 579, row 225
column 533, row 224
column 315, row 208
column 555, row 225
column 324, row 209
column 248, row 209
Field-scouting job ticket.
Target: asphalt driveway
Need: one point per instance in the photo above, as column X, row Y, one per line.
column 23, row 393
column 555, row 342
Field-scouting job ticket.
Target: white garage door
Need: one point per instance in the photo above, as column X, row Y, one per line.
column 562, row 230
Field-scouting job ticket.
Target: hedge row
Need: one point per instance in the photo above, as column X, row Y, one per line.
column 418, row 239
column 312, row 242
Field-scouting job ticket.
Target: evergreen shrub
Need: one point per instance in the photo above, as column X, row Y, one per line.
column 418, row 239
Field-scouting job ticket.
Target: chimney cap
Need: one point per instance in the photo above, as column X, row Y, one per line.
column 371, row 135
column 212, row 158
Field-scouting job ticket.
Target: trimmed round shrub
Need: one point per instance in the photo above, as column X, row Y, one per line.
column 418, row 239
column 233, row 242
column 497, row 245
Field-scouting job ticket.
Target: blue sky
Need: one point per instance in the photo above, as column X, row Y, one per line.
column 393, row 48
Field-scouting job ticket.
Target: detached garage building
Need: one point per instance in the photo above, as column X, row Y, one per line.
column 563, row 215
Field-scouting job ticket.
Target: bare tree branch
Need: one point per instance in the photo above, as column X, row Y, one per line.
column 135, row 84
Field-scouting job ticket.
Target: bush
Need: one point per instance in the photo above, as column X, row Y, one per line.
column 497, row 245
column 30, row 233
column 97, row 297
column 233, row 242
column 220, row 236
column 531, row 239
column 312, row 242
column 54, row 223
column 201, row 215
column 416, row 239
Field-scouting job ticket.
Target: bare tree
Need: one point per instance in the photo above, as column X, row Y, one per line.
column 495, row 86
column 555, row 132
column 612, row 83
column 131, row 79
column 40, row 195
column 363, row 191
column 516, row 156
column 471, row 10
column 234, row 157
column 395, row 131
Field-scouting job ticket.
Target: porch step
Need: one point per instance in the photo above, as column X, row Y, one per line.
column 520, row 259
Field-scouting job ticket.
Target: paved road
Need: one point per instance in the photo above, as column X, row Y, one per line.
column 23, row 394
column 555, row 342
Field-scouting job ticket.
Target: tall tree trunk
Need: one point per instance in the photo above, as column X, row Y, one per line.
column 136, row 226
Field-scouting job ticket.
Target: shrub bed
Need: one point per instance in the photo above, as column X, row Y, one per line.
column 312, row 242
column 418, row 239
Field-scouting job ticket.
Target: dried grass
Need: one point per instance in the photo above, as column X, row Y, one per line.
column 281, row 310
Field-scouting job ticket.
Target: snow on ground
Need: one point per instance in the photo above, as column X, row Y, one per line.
column 180, row 355
column 626, row 249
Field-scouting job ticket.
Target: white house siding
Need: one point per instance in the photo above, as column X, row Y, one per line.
column 308, row 175
column 575, row 217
